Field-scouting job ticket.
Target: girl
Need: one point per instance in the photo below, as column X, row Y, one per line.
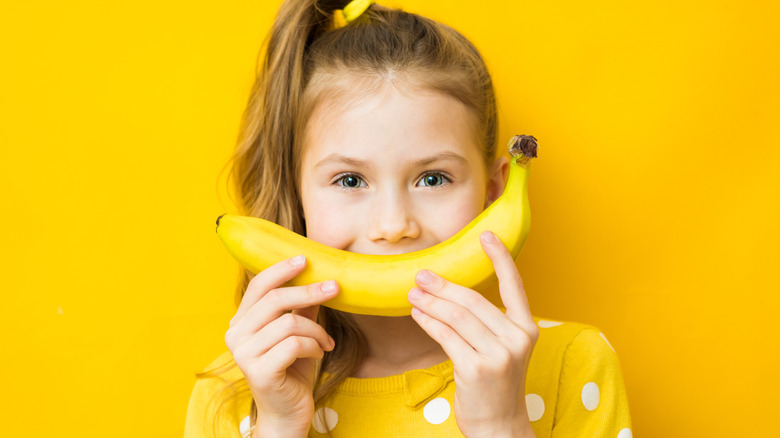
column 374, row 130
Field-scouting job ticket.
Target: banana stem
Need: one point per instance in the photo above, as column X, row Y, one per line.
column 522, row 148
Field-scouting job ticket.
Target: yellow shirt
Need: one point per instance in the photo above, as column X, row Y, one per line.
column 574, row 388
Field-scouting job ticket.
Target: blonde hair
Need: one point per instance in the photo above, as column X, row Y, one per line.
column 305, row 68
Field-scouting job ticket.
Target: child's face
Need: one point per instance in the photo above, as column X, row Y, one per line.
column 397, row 172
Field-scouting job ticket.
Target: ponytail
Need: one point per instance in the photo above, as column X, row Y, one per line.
column 263, row 161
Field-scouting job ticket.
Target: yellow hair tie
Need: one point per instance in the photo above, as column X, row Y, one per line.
column 342, row 17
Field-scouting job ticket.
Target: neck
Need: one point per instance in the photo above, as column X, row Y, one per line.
column 396, row 345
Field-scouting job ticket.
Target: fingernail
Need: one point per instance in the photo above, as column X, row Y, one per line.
column 328, row 287
column 424, row 277
column 297, row 261
column 415, row 293
column 488, row 237
column 416, row 311
column 332, row 343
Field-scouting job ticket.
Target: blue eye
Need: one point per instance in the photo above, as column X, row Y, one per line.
column 350, row 181
column 434, row 179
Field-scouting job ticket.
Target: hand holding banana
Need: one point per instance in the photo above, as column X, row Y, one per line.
column 378, row 284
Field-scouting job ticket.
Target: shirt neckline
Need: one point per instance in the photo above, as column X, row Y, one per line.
column 395, row 383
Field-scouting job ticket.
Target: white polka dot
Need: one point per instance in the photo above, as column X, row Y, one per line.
column 605, row 340
column 244, row 427
column 437, row 411
column 548, row 324
column 535, row 406
column 625, row 433
column 590, row 396
column 325, row 419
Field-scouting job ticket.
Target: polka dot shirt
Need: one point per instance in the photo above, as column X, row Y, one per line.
column 574, row 389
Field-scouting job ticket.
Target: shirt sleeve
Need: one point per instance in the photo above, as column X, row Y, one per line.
column 592, row 399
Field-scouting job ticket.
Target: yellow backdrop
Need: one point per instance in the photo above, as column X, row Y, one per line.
column 655, row 199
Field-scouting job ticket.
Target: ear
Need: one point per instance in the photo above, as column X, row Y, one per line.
column 497, row 179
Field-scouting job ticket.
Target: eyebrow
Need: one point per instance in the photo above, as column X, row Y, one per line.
column 354, row 162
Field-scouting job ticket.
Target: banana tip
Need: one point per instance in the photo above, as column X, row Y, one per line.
column 523, row 149
column 220, row 217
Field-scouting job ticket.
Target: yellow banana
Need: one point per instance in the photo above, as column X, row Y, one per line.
column 378, row 284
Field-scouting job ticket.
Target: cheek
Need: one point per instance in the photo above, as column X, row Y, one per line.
column 463, row 216
column 328, row 225
column 446, row 219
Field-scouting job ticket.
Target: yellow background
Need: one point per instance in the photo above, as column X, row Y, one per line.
column 655, row 198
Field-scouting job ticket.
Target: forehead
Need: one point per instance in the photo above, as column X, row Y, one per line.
column 378, row 116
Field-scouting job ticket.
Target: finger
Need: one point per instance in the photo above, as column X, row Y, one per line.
column 287, row 325
column 286, row 352
column 460, row 319
column 275, row 303
column 510, row 284
column 457, row 349
column 272, row 277
column 491, row 316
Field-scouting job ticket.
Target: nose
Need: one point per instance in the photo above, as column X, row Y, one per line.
column 392, row 218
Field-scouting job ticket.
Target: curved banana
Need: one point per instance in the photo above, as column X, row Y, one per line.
column 378, row 284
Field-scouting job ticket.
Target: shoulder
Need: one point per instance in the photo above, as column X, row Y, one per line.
column 575, row 381
column 224, row 362
column 560, row 340
column 561, row 333
column 570, row 340
column 566, row 347
column 217, row 403
column 221, row 372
